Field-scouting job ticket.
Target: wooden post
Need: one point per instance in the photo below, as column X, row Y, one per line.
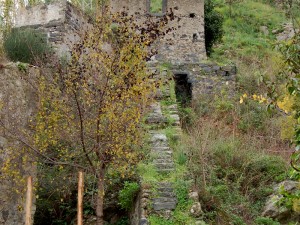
column 80, row 198
column 28, row 206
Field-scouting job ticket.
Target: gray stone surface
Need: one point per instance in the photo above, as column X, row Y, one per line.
column 60, row 21
column 17, row 106
column 196, row 210
column 186, row 42
column 280, row 212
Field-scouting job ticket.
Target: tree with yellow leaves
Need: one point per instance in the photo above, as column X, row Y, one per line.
column 89, row 112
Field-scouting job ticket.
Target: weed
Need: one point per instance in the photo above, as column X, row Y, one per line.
column 26, row 45
column 128, row 194
column 265, row 221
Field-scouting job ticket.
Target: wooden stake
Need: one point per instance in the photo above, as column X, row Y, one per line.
column 28, row 206
column 80, row 198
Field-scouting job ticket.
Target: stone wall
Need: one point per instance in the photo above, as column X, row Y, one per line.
column 207, row 78
column 16, row 108
column 60, row 21
column 186, row 43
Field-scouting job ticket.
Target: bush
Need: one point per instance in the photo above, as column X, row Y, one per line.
column 213, row 21
column 265, row 221
column 128, row 194
column 26, row 45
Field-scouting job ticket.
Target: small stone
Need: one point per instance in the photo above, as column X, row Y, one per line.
column 194, row 196
column 167, row 214
column 196, row 210
column 264, row 30
column 145, row 195
column 143, row 221
column 3, row 142
column 200, row 222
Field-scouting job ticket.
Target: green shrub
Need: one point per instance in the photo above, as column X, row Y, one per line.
column 213, row 25
column 26, row 45
column 128, row 194
column 265, row 221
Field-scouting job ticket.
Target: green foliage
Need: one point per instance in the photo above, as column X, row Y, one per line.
column 243, row 42
column 290, row 51
column 213, row 21
column 252, row 116
column 122, row 221
column 155, row 220
column 156, row 6
column 182, row 190
column 265, row 221
column 128, row 194
column 26, row 45
column 187, row 116
column 181, row 158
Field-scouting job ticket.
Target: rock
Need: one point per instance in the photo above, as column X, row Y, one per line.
column 143, row 221
column 194, row 196
column 159, row 140
column 288, row 185
column 272, row 209
column 196, row 210
column 167, row 214
column 264, row 30
column 200, row 222
column 3, row 142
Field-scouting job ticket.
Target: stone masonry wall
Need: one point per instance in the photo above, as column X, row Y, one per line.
column 186, row 43
column 16, row 107
column 60, row 21
column 207, row 78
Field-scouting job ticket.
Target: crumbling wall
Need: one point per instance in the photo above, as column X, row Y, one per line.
column 207, row 78
column 60, row 21
column 183, row 45
column 17, row 104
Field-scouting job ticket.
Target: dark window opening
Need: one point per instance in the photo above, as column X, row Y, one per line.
column 192, row 15
column 195, row 37
column 183, row 89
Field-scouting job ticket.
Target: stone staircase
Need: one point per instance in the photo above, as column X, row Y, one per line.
column 163, row 198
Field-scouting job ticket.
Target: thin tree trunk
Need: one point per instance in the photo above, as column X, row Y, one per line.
column 80, row 198
column 28, row 220
column 100, row 197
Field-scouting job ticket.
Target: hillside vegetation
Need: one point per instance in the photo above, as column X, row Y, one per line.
column 238, row 148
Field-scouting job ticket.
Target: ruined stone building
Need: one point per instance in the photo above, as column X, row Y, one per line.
column 60, row 21
column 183, row 49
column 186, row 43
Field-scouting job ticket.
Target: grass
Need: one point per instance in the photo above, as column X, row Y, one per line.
column 156, row 6
column 243, row 40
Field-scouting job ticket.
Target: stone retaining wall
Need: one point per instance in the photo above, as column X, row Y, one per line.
column 17, row 103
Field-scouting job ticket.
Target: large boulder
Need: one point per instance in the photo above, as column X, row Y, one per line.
column 278, row 211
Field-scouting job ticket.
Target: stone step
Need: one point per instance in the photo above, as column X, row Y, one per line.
column 164, row 165
column 169, row 170
column 164, row 199
column 161, row 149
column 163, row 160
column 155, row 119
column 158, row 206
column 166, row 194
column 163, row 155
